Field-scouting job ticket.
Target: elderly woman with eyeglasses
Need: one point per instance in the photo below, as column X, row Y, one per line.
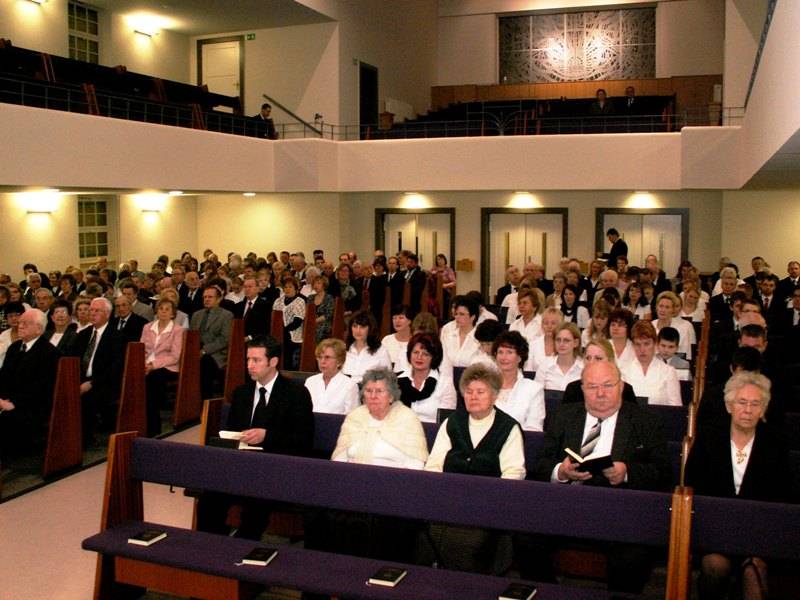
column 742, row 459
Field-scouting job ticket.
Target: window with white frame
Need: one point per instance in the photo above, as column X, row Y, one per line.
column 84, row 40
column 95, row 227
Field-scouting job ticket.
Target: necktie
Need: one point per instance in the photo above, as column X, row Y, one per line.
column 87, row 356
column 592, row 437
column 766, row 303
column 24, row 348
column 204, row 321
column 121, row 325
column 248, row 307
column 728, row 300
column 260, row 407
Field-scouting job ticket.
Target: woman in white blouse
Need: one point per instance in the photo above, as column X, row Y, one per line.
column 364, row 350
column 620, row 322
column 650, row 377
column 331, row 390
column 293, row 307
column 544, row 346
column 519, row 397
column 598, row 326
column 571, row 309
column 529, row 322
column 566, row 366
column 668, row 309
column 635, row 302
column 559, row 281
column 459, row 343
column 422, row 387
column 396, row 343
column 692, row 310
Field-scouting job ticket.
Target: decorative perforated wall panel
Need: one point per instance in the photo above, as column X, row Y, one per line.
column 609, row 44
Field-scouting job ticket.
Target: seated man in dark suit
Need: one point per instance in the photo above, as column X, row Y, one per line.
column 720, row 305
column 416, row 278
column 513, row 279
column 26, row 384
column 192, row 300
column 126, row 322
column 633, row 437
column 101, row 349
column 254, row 309
column 272, row 412
column 214, row 325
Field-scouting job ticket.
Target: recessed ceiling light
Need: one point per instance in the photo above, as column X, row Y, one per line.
column 249, row 194
column 176, row 193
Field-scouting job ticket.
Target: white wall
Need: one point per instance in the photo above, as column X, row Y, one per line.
column 297, row 66
column 704, row 239
column 147, row 235
column 744, row 21
column 764, row 223
column 467, row 50
column 233, row 223
column 689, row 37
column 42, row 27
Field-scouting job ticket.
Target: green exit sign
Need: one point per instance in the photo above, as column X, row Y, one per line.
column 250, row 36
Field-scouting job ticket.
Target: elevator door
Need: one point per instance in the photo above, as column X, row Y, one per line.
column 518, row 238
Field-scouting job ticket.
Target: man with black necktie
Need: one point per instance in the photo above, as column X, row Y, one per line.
column 272, row 412
column 789, row 284
column 126, row 322
column 605, row 425
column 101, row 349
column 416, row 279
column 26, row 384
column 254, row 309
column 192, row 301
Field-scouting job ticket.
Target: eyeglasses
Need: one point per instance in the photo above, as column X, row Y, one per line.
column 595, row 387
column 741, row 403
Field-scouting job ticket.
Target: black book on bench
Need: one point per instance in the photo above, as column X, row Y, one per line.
column 590, row 464
column 147, row 537
column 518, row 591
column 260, row 557
column 388, row 576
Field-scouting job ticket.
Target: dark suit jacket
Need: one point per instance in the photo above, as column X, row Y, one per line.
column 27, row 379
column 257, row 321
column 546, row 285
column 417, row 280
column 67, row 341
column 377, row 294
column 786, row 288
column 502, row 292
column 132, row 332
column 190, row 306
column 288, row 419
column 777, row 305
column 109, row 361
column 618, row 248
column 710, row 472
column 662, row 284
column 396, row 286
column 718, row 308
column 639, row 442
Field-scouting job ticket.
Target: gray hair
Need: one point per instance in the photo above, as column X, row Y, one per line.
column 45, row 291
column 313, row 272
column 727, row 272
column 41, row 318
column 106, row 304
column 382, row 375
column 742, row 378
column 481, row 372
column 34, row 276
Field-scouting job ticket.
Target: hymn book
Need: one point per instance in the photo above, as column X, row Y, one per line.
column 518, row 591
column 260, row 557
column 148, row 537
column 237, row 435
column 387, row 576
column 590, row 464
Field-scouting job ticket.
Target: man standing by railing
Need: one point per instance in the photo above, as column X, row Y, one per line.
column 265, row 127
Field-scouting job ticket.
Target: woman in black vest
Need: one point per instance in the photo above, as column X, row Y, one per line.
column 481, row 441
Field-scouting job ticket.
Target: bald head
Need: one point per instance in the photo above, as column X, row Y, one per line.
column 602, row 389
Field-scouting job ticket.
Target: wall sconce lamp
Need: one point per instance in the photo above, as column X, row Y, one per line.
column 38, row 1
column 249, row 194
column 149, row 34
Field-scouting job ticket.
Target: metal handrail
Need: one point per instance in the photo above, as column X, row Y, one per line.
column 293, row 115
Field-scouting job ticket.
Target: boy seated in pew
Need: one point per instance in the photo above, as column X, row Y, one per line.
column 668, row 340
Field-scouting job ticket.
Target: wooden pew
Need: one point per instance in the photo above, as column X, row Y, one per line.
column 386, row 319
column 64, row 436
column 308, row 359
column 337, row 327
column 132, row 413
column 235, row 368
column 276, row 330
column 187, row 402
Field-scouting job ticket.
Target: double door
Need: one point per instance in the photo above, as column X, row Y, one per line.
column 425, row 234
column 519, row 238
column 657, row 234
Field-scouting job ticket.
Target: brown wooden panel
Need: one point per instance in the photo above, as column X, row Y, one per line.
column 308, row 359
column 465, row 93
column 386, row 318
column 235, row 368
column 181, row 582
column 276, row 330
column 132, row 413
column 337, row 327
column 187, row 401
column 407, row 293
column 211, row 419
column 679, row 569
column 64, row 437
column 442, row 96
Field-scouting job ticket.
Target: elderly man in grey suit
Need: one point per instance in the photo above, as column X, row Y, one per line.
column 214, row 325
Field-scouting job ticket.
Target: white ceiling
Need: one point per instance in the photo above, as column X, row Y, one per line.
column 203, row 17
column 782, row 170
